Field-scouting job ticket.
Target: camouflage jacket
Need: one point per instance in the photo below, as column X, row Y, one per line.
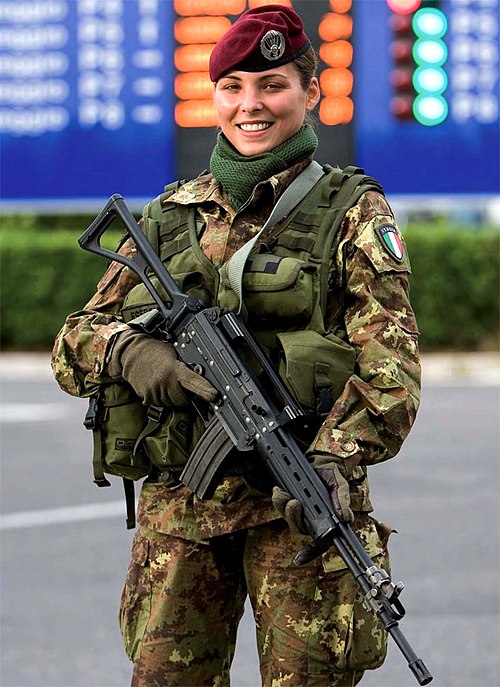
column 369, row 420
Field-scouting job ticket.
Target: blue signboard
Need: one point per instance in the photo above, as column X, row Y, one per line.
column 85, row 99
column 461, row 153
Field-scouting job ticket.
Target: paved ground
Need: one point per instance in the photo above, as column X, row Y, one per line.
column 65, row 547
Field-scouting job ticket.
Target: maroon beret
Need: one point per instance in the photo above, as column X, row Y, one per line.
column 262, row 38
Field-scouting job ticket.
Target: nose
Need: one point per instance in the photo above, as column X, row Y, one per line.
column 251, row 101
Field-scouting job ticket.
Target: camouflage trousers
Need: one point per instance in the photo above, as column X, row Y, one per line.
column 183, row 600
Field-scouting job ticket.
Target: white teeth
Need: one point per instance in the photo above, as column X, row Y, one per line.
column 254, row 127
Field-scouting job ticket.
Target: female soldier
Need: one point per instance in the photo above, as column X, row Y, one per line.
column 351, row 358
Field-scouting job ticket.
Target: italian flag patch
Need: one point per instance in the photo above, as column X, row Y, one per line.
column 391, row 240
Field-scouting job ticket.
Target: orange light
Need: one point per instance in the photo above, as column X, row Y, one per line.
column 192, row 58
column 189, row 8
column 195, row 113
column 336, row 82
column 335, row 26
column 193, row 85
column 200, row 29
column 336, row 111
column 340, row 6
column 336, row 54
column 261, row 3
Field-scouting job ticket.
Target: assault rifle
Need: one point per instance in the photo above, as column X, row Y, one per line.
column 253, row 412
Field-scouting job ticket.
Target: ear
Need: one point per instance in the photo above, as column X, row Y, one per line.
column 313, row 94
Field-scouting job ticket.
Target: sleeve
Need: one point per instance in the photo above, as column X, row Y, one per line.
column 373, row 415
column 82, row 347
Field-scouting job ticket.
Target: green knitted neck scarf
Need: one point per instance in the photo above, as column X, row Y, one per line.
column 239, row 174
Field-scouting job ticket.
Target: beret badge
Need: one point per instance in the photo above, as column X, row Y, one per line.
column 272, row 45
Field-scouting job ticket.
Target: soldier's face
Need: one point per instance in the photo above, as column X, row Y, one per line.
column 258, row 111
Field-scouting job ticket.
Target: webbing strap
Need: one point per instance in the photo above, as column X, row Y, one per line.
column 155, row 415
column 156, row 208
column 291, row 197
column 128, row 487
column 353, row 184
column 342, row 196
column 91, row 422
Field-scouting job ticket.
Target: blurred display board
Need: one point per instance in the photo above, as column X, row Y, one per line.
column 105, row 96
column 85, row 99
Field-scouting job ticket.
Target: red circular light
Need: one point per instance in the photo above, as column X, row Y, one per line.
column 401, row 50
column 401, row 24
column 401, row 79
column 402, row 106
column 404, row 6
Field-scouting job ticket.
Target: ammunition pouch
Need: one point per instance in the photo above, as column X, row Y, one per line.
column 116, row 417
column 316, row 368
column 132, row 441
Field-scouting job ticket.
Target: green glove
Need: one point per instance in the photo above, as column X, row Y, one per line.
column 153, row 370
column 333, row 472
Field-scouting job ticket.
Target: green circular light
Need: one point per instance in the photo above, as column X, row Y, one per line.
column 430, row 80
column 431, row 53
column 430, row 109
column 429, row 23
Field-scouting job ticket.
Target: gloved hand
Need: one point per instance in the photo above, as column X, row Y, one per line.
column 333, row 472
column 155, row 373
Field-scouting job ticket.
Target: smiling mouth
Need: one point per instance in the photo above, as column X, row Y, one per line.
column 255, row 127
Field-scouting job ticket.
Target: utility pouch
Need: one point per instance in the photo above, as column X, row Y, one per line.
column 117, row 417
column 316, row 368
column 170, row 443
column 118, row 420
column 274, row 289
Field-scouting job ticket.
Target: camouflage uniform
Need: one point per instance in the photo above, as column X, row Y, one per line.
column 194, row 561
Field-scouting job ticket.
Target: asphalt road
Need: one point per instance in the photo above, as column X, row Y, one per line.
column 64, row 546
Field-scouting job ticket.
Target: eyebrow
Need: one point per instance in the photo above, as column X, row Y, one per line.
column 262, row 78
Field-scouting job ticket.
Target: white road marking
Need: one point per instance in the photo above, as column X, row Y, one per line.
column 56, row 516
column 33, row 412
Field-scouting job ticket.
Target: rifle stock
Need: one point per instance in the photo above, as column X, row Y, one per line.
column 246, row 415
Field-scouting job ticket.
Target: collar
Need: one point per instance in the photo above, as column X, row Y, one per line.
column 205, row 188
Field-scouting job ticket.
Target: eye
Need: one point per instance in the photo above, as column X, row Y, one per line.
column 273, row 86
column 232, row 87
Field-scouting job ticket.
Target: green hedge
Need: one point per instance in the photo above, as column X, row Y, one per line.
column 45, row 276
column 455, row 286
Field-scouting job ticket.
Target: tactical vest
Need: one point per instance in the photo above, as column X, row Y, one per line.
column 286, row 284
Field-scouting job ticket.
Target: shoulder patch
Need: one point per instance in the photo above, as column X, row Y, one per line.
column 391, row 241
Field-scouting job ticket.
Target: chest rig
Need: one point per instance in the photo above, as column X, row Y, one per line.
column 286, row 285
column 287, row 282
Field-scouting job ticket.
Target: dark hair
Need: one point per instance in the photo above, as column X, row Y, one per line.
column 307, row 66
